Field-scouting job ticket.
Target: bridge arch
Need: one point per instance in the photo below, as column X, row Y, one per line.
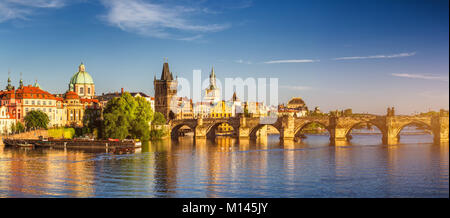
column 416, row 123
column 254, row 130
column 301, row 127
column 211, row 129
column 174, row 132
column 380, row 128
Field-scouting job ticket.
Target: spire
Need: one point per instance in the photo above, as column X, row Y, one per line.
column 36, row 84
column 9, row 87
column 81, row 68
column 166, row 74
column 234, row 98
column 20, row 81
column 212, row 79
column 213, row 74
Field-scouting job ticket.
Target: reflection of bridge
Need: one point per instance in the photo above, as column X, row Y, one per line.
column 339, row 127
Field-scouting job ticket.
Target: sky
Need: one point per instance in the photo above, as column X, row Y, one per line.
column 361, row 54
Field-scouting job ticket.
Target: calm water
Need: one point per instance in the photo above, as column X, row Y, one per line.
column 225, row 168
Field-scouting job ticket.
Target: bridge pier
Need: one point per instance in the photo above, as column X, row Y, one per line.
column 287, row 131
column 440, row 128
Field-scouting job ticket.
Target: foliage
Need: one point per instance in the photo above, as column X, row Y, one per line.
column 36, row 120
column 127, row 117
column 158, row 133
column 66, row 133
column 20, row 127
column 13, row 128
column 158, row 119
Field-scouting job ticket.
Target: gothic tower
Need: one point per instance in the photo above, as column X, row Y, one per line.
column 165, row 93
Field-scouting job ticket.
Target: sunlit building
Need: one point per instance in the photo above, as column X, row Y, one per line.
column 82, row 83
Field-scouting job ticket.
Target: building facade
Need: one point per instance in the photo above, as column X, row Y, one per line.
column 165, row 93
column 82, row 83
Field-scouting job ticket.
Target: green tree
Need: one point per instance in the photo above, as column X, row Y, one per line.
column 127, row 117
column 20, row 127
column 13, row 128
column 36, row 120
column 158, row 119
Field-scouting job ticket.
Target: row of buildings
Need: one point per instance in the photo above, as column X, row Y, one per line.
column 66, row 109
column 80, row 100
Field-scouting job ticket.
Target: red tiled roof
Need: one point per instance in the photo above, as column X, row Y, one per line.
column 29, row 92
column 84, row 100
column 71, row 95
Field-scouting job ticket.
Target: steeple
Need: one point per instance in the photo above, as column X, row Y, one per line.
column 36, row 84
column 9, row 87
column 212, row 79
column 20, row 81
column 166, row 74
column 81, row 68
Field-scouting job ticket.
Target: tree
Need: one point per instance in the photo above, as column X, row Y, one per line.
column 158, row 131
column 36, row 120
column 127, row 117
column 20, row 127
column 13, row 128
column 158, row 119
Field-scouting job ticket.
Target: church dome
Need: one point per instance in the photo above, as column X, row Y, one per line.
column 81, row 77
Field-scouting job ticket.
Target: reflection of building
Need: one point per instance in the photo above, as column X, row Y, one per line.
column 82, row 83
column 295, row 107
column 165, row 93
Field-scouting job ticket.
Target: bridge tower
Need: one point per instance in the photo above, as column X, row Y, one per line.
column 165, row 92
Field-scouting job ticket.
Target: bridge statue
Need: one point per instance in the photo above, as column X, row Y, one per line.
column 339, row 127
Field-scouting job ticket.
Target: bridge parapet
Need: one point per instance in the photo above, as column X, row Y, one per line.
column 339, row 127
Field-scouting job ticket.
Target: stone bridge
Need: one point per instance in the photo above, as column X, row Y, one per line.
column 339, row 127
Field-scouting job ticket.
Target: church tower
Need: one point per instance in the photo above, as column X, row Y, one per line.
column 165, row 93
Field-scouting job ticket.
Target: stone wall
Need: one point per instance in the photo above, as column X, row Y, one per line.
column 29, row 135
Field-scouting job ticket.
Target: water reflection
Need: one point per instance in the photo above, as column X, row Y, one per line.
column 228, row 167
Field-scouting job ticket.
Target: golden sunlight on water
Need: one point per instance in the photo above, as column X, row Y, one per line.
column 228, row 167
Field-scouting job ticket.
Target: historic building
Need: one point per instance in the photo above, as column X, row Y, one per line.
column 19, row 102
column 165, row 93
column 212, row 93
column 82, row 83
column 295, row 107
column 6, row 120
column 184, row 109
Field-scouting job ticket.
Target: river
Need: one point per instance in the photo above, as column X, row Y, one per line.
column 226, row 167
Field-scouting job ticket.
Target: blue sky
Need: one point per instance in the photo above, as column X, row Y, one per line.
column 365, row 55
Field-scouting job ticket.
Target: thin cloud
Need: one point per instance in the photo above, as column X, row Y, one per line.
column 420, row 76
column 22, row 9
column 156, row 20
column 377, row 56
column 291, row 61
column 240, row 61
column 297, row 88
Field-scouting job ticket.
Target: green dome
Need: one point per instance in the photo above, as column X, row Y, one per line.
column 81, row 77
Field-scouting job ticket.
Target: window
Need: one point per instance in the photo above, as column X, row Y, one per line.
column 81, row 90
column 32, row 102
column 38, row 102
column 26, row 102
column 44, row 102
column 89, row 90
